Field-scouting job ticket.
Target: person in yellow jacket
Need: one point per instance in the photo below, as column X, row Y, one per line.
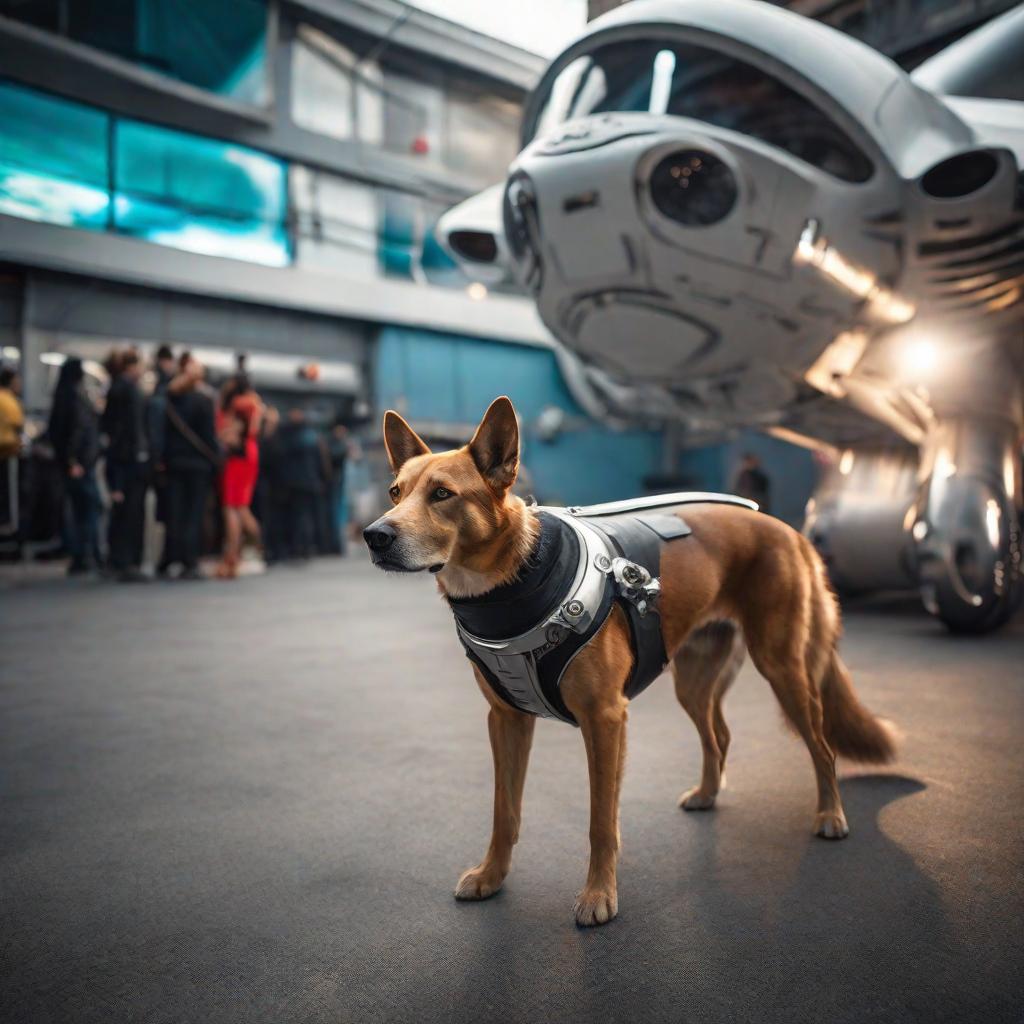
column 12, row 417
column 12, row 420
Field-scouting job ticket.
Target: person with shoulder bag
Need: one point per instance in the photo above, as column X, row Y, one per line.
column 127, row 468
column 191, row 456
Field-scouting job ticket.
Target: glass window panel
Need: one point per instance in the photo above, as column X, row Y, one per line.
column 200, row 194
column 322, row 89
column 219, row 45
column 336, row 223
column 401, row 229
column 334, row 91
column 482, row 137
column 370, row 104
column 45, row 14
column 413, row 116
column 53, row 159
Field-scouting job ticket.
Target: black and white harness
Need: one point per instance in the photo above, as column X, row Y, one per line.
column 524, row 634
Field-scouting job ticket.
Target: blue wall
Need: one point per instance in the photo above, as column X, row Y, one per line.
column 451, row 379
column 791, row 470
column 444, row 378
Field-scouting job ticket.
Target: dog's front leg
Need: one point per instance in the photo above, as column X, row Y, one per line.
column 511, row 737
column 604, row 732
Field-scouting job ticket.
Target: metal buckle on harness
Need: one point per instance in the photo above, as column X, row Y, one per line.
column 633, row 582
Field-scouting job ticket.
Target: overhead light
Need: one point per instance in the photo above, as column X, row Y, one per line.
column 477, row 291
column 919, row 358
column 812, row 249
column 846, row 462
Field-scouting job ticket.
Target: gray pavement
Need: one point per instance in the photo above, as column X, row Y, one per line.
column 250, row 802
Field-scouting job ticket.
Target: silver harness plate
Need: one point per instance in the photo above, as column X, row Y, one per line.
column 514, row 661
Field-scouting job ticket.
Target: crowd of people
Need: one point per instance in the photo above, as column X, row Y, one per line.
column 226, row 469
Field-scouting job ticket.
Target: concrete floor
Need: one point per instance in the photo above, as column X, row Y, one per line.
column 251, row 802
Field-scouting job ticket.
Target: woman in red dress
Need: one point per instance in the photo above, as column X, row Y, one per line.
column 238, row 422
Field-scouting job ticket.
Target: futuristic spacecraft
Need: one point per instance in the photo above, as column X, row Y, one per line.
column 737, row 216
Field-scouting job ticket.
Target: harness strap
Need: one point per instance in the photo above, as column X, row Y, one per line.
column 639, row 538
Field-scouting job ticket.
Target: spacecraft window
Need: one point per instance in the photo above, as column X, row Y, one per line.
column 691, row 81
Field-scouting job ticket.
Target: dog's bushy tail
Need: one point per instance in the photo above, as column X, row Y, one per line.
column 850, row 729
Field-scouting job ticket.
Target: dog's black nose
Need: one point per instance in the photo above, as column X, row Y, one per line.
column 379, row 536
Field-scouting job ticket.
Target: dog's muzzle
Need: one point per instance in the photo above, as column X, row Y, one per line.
column 381, row 539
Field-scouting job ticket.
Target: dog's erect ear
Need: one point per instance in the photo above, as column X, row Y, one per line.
column 401, row 441
column 495, row 445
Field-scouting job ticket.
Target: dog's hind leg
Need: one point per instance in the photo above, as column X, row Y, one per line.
column 704, row 669
column 511, row 735
column 788, row 627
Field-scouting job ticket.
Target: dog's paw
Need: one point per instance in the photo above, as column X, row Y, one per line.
column 831, row 825
column 477, row 884
column 695, row 800
column 595, row 907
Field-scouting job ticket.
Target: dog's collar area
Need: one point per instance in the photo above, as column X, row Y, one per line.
column 519, row 605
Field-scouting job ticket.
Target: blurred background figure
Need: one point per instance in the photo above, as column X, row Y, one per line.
column 338, row 452
column 191, row 456
column 126, row 467
column 752, row 482
column 239, row 419
column 12, row 421
column 269, row 499
column 74, row 433
column 302, row 474
column 156, row 431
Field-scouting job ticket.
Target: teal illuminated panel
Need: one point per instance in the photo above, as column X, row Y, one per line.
column 397, row 245
column 219, row 45
column 200, row 194
column 53, row 159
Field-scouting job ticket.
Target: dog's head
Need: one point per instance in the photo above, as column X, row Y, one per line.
column 450, row 507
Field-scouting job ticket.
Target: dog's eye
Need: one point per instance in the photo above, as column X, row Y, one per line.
column 441, row 493
column 395, row 492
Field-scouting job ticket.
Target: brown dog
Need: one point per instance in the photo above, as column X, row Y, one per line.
column 741, row 581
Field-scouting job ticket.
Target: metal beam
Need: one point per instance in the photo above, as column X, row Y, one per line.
column 376, row 300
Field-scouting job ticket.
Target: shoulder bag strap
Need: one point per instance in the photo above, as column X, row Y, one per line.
column 191, row 436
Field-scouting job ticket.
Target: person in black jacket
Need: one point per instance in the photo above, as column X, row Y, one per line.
column 302, row 475
column 164, row 368
column 74, row 433
column 127, row 468
column 191, row 454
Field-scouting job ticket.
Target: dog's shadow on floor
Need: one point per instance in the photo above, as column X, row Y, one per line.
column 743, row 862
column 744, row 900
